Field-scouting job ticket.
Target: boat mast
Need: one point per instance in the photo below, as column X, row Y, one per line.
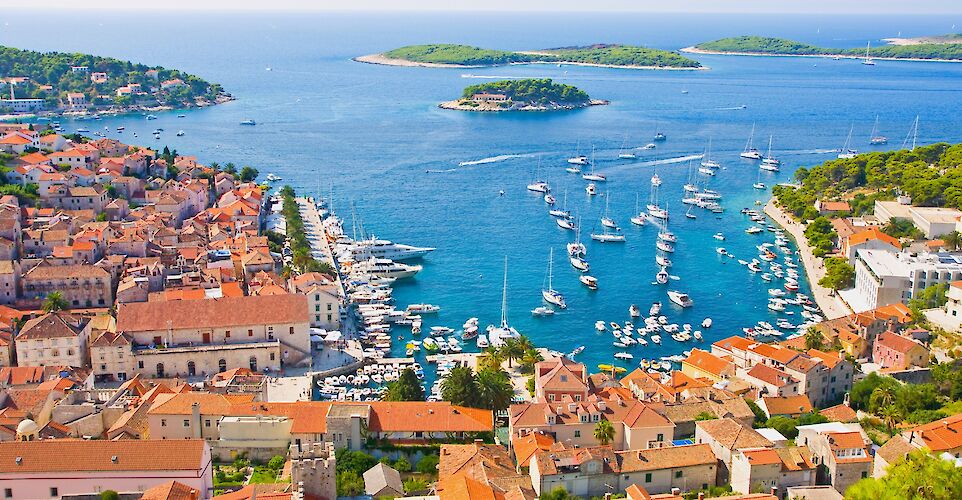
column 504, row 296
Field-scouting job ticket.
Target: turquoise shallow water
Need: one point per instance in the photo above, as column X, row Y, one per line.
column 372, row 132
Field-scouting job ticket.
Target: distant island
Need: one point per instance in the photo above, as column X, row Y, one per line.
column 466, row 56
column 532, row 94
column 73, row 83
column 941, row 48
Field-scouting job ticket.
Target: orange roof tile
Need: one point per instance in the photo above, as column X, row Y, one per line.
column 872, row 234
column 61, row 455
column 705, row 361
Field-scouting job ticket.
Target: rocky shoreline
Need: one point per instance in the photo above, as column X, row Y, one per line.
column 696, row 50
column 383, row 60
column 459, row 105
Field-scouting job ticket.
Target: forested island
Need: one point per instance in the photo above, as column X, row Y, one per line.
column 608, row 55
column 79, row 83
column 930, row 175
column 947, row 49
column 532, row 94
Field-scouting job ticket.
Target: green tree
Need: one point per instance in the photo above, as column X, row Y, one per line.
column 811, row 418
column 511, row 350
column 882, row 397
column 920, row 476
column 414, row 485
column 248, row 174
column 428, row 464
column 784, row 425
column 861, row 393
column 109, row 495
column 460, row 387
column 704, row 416
column 839, row 274
column 402, row 465
column 953, row 240
column 558, row 493
column 813, row 338
column 494, row 389
column 604, row 432
column 231, row 169
column 349, row 484
column 276, row 463
column 760, row 416
column 55, row 302
column 891, row 416
column 354, row 461
column 931, row 297
column 406, row 388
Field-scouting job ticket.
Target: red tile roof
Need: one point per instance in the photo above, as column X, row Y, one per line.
column 77, row 455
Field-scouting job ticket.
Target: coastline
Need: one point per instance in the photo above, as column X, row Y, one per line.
column 696, row 50
column 457, row 106
column 832, row 307
column 381, row 59
column 116, row 110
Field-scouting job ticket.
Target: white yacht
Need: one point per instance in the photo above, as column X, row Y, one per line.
column 750, row 152
column 846, row 152
column 498, row 334
column 591, row 189
column 385, row 268
column 594, row 177
column 549, row 294
column 770, row 160
column 385, row 249
column 680, row 298
column 606, row 237
column 542, row 311
column 662, row 277
column 589, row 281
column 539, row 187
column 423, row 309
column 577, row 248
column 707, row 162
column 868, row 60
column 877, row 139
column 565, row 224
column 578, row 160
column 662, row 261
column 482, row 341
column 606, row 220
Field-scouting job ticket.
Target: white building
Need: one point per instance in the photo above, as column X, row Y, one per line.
column 883, row 278
column 932, row 221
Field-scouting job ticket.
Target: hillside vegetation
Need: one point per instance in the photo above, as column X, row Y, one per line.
column 54, row 69
column 931, row 175
column 603, row 54
column 531, row 91
column 781, row 46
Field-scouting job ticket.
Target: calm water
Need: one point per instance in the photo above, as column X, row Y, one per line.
column 372, row 132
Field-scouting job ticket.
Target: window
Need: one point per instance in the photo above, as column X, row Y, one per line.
column 186, row 423
column 292, row 330
column 661, row 437
column 207, row 423
column 163, row 422
column 864, row 474
column 227, row 334
column 250, row 333
column 8, row 493
column 577, row 434
column 677, row 474
column 54, row 492
column 648, row 477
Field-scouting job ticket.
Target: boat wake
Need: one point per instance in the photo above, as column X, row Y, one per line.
column 492, row 159
column 668, row 161
column 813, row 151
column 496, row 77
column 440, row 171
column 728, row 108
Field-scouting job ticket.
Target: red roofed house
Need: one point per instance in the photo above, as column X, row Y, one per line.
column 893, row 351
column 772, row 469
column 840, row 450
column 560, row 377
column 941, row 436
column 831, row 207
column 869, row 239
column 786, row 406
column 703, row 364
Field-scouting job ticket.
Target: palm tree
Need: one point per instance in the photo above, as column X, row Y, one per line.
column 883, row 396
column 953, row 240
column 524, row 343
column 494, row 389
column 604, row 432
column 491, row 360
column 813, row 338
column 528, row 360
column 55, row 302
column 891, row 416
column 511, row 350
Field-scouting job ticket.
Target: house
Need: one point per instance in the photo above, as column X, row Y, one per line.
column 636, row 424
column 869, row 239
column 894, row 450
column 725, row 437
column 489, row 97
column 55, row 338
column 98, row 77
column 80, row 285
column 482, row 471
column 897, row 352
column 772, row 469
column 703, row 364
column 684, row 414
column 76, row 101
column 831, row 207
column 840, row 450
column 54, row 468
column 381, row 480
column 785, row 406
column 941, row 436
column 769, row 380
column 883, row 278
column 9, row 281
column 560, row 377
column 196, row 337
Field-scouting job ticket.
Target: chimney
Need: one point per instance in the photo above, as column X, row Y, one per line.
column 195, row 414
column 701, row 495
column 774, row 491
column 676, row 491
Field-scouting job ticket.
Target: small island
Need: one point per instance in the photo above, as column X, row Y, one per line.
column 466, row 56
column 947, row 48
column 521, row 95
column 70, row 83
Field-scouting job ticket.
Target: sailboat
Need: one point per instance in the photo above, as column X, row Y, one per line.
column 846, row 152
column 577, row 249
column 606, row 237
column 689, row 186
column 497, row 335
column 565, row 223
column 638, row 220
column 624, row 154
column 659, row 136
column 868, row 60
column 877, row 139
column 707, row 162
column 689, row 214
column 606, row 220
column 770, row 163
column 758, row 181
column 750, row 152
column 913, row 133
column 549, row 294
column 592, row 176
column 563, row 212
column 653, row 209
column 578, row 159
column 539, row 186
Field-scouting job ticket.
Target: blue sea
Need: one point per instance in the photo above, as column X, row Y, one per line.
column 370, row 134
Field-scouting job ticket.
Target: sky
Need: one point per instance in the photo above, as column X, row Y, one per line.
column 694, row 6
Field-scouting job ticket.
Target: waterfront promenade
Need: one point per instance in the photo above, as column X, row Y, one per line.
column 832, row 307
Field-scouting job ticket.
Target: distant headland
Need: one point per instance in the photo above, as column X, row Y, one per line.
column 466, row 56
column 534, row 94
column 72, row 83
column 944, row 48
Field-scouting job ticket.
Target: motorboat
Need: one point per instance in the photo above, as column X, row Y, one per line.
column 648, row 146
column 384, row 249
column 573, row 169
column 706, row 323
column 623, row 355
column 542, row 311
column 634, row 311
column 248, row 122
column 680, row 298
column 721, row 251
column 578, row 160
column 549, row 199
column 482, row 341
column 423, row 309
column 719, row 236
column 180, row 133
column 600, row 325
column 539, row 187
column 591, row 189
column 759, row 185
column 385, row 268
column 589, row 281
column 655, row 309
